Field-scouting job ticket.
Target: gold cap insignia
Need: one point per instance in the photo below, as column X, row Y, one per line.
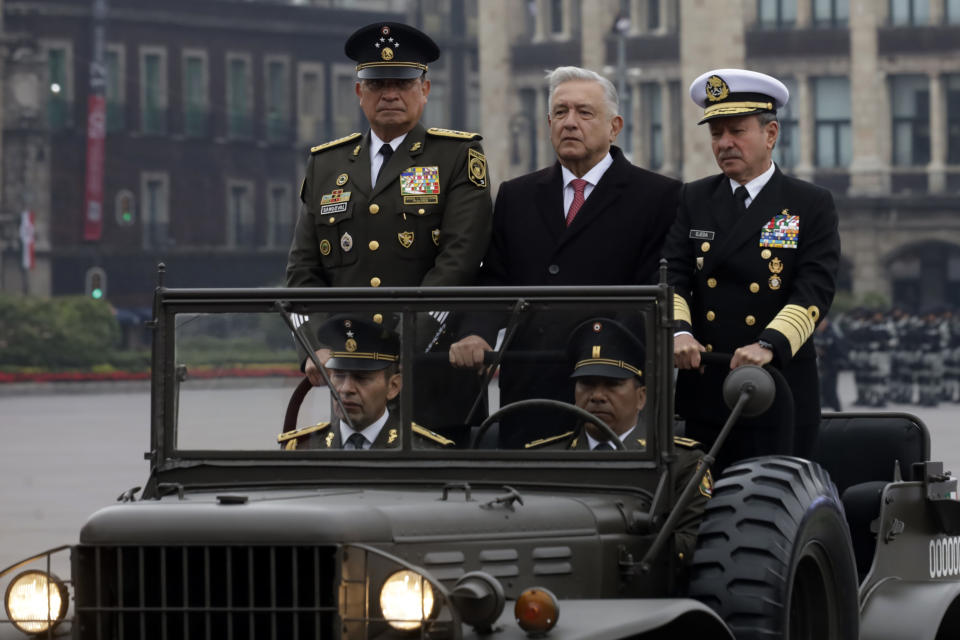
column 596, row 351
column 342, row 179
column 325, row 247
column 350, row 345
column 477, row 166
column 386, row 53
column 405, row 238
column 717, row 89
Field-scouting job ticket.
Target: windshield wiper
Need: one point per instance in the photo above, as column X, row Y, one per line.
column 283, row 308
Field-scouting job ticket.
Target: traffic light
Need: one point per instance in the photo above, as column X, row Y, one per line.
column 126, row 209
column 96, row 283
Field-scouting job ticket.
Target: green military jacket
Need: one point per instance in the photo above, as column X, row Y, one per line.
column 425, row 223
column 325, row 435
column 688, row 461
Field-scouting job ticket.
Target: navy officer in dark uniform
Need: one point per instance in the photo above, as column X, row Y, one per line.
column 753, row 260
column 399, row 205
column 364, row 369
column 607, row 361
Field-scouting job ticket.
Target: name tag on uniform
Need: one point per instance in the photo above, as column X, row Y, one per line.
column 697, row 234
column 334, row 202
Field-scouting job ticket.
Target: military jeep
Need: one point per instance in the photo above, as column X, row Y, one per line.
column 232, row 536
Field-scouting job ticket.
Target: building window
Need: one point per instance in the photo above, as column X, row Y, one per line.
column 346, row 110
column 953, row 118
column 196, row 105
column 116, row 100
column 281, row 215
column 652, row 114
column 239, row 98
column 311, row 125
column 832, row 120
column 787, row 151
column 153, row 91
column 831, row 13
column 556, row 16
column 277, row 102
column 155, row 206
column 653, row 15
column 240, row 219
column 952, row 11
column 910, row 108
column 776, row 14
column 59, row 100
column 909, row 13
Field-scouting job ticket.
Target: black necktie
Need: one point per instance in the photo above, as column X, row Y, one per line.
column 740, row 195
column 386, row 151
column 604, row 446
column 357, row 441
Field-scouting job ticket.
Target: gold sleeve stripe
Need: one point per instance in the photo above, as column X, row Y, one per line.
column 795, row 324
column 680, row 309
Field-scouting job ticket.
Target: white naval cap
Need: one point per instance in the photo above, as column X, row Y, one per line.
column 737, row 92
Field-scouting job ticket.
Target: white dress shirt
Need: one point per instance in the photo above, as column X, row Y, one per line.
column 592, row 177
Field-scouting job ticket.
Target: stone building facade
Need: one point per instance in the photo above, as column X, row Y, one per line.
column 874, row 112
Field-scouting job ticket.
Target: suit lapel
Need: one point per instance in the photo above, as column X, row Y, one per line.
column 549, row 202
column 764, row 206
column 401, row 159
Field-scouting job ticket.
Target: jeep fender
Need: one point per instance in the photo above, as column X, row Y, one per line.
column 898, row 609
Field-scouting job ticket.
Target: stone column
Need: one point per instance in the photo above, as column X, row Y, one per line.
column 701, row 50
column 497, row 92
column 595, row 22
column 641, row 128
column 806, row 129
column 869, row 172
column 545, row 153
column 937, row 12
column 542, row 22
column 937, row 169
column 669, row 166
column 804, row 14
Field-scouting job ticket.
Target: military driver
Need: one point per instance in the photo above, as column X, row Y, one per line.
column 364, row 370
column 607, row 361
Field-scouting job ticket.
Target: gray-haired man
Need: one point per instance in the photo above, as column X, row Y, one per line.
column 592, row 218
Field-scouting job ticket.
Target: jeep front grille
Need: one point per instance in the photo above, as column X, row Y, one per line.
column 205, row 592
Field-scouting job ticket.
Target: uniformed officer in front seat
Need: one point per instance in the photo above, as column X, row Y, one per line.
column 607, row 361
column 364, row 369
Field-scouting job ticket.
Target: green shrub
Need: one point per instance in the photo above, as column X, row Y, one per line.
column 56, row 333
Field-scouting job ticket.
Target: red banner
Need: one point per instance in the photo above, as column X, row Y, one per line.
column 93, row 200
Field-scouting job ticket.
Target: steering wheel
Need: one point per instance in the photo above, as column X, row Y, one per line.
column 293, row 405
column 544, row 403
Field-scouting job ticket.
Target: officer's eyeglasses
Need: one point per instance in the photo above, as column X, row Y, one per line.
column 383, row 85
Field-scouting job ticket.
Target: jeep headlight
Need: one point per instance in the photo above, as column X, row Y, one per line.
column 406, row 599
column 35, row 601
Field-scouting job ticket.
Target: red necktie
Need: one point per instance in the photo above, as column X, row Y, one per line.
column 579, row 184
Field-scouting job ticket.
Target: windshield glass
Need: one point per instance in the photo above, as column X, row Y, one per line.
column 521, row 375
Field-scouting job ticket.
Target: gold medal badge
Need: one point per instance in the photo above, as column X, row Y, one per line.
column 776, row 267
column 477, row 167
column 325, row 247
column 405, row 238
column 435, row 236
column 346, row 242
column 342, row 179
column 717, row 89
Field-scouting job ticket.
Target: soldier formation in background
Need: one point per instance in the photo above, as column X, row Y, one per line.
column 896, row 356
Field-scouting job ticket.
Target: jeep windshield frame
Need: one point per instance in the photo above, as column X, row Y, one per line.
column 180, row 470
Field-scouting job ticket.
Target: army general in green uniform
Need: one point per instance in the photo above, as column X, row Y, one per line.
column 399, row 205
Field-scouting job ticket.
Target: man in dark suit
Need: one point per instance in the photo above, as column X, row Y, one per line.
column 364, row 370
column 592, row 218
column 607, row 361
column 399, row 206
column 753, row 259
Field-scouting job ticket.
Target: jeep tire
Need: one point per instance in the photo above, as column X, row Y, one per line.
column 774, row 557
